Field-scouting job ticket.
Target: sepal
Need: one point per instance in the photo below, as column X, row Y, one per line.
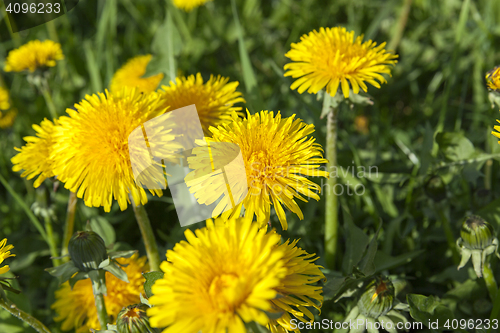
column 64, row 272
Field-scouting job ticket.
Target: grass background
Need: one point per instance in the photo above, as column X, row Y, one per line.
column 444, row 47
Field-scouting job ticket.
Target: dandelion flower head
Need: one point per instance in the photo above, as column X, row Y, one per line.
column 215, row 99
column 189, row 5
column 493, row 79
column 277, row 154
column 4, row 254
column 91, row 154
column 218, row 279
column 332, row 57
column 131, row 75
column 34, row 157
column 33, row 55
column 298, row 290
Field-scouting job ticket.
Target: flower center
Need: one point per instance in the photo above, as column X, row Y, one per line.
column 224, row 291
column 260, row 167
column 132, row 313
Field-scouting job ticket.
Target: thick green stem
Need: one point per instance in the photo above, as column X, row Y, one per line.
column 28, row 319
column 98, row 279
column 52, row 242
column 147, row 235
column 70, row 222
column 489, row 279
column 331, row 215
column 101, row 311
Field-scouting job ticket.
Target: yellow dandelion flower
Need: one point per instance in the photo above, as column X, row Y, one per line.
column 297, row 290
column 34, row 157
column 4, row 254
column 333, row 57
column 277, row 154
column 189, row 5
column 130, row 75
column 214, row 99
column 33, row 55
column 4, row 99
column 7, row 118
column 493, row 78
column 91, row 153
column 76, row 307
column 217, row 280
column 497, row 128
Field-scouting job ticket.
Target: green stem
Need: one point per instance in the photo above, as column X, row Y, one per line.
column 48, row 100
column 98, row 279
column 26, row 209
column 331, row 215
column 52, row 241
column 449, row 233
column 147, row 235
column 28, row 319
column 70, row 222
column 101, row 311
column 489, row 279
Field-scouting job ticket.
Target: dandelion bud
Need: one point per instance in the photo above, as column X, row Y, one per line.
column 377, row 299
column 435, row 188
column 476, row 233
column 477, row 241
column 87, row 250
column 133, row 319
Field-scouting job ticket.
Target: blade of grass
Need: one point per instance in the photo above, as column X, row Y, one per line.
column 93, row 69
column 25, row 207
column 248, row 72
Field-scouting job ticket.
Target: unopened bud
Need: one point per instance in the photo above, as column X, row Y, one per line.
column 87, row 250
column 133, row 319
column 377, row 299
column 476, row 233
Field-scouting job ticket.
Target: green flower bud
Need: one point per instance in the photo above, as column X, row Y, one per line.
column 87, row 250
column 476, row 233
column 435, row 188
column 377, row 299
column 133, row 319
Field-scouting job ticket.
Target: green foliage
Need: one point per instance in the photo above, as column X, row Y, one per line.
column 151, row 278
column 433, row 117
